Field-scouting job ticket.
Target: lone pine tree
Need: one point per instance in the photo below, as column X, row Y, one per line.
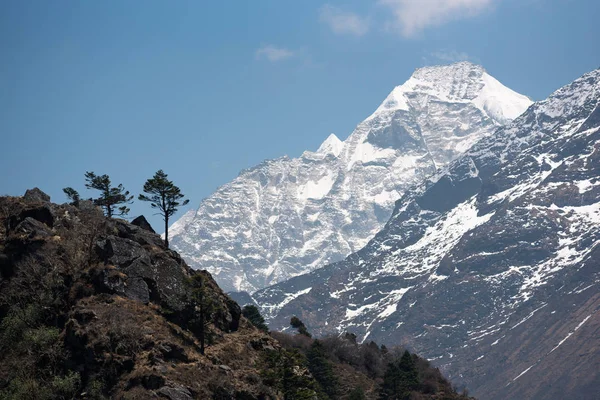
column 164, row 196
column 72, row 195
column 110, row 197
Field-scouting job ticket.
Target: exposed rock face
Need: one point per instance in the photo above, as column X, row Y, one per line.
column 491, row 268
column 143, row 223
column 286, row 217
column 35, row 195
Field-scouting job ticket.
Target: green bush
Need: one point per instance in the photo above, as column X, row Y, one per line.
column 25, row 389
column 40, row 339
column 94, row 390
column 66, row 387
column 16, row 322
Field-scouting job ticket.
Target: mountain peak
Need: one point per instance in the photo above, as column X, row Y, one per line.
column 331, row 145
column 462, row 82
column 292, row 215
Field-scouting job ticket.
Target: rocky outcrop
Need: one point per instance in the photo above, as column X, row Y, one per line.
column 121, row 302
column 143, row 223
column 35, row 195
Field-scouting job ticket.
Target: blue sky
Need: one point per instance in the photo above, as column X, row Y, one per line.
column 203, row 89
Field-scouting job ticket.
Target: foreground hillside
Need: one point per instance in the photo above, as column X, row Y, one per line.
column 92, row 307
column 492, row 268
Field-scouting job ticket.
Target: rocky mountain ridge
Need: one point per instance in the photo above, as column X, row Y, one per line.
column 96, row 308
column 286, row 217
column 491, row 267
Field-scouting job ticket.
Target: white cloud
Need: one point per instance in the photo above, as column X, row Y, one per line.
column 274, row 53
column 412, row 16
column 342, row 22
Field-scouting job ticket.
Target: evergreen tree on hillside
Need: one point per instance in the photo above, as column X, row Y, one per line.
column 296, row 323
column 164, row 196
column 72, row 195
column 252, row 313
column 357, row 394
column 321, row 369
column 110, row 197
column 400, row 379
column 287, row 370
column 203, row 307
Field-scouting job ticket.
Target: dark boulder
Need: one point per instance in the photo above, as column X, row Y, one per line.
column 172, row 352
column 35, row 195
column 137, row 289
column 132, row 267
column 119, row 251
column 137, row 234
column 143, row 223
column 32, row 228
column 141, row 274
column 88, row 205
column 175, row 392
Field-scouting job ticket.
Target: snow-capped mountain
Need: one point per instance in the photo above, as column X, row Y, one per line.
column 286, row 217
column 491, row 268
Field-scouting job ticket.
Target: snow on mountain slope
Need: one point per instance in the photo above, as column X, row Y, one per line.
column 490, row 268
column 286, row 217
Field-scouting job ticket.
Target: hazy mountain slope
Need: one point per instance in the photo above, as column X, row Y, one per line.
column 286, row 217
column 492, row 268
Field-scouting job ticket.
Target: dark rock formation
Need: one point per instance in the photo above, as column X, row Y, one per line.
column 143, row 223
column 35, row 195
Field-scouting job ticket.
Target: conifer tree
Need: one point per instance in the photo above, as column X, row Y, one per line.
column 72, row 195
column 203, row 307
column 296, row 323
column 400, row 379
column 110, row 196
column 321, row 369
column 357, row 394
column 164, row 196
column 252, row 313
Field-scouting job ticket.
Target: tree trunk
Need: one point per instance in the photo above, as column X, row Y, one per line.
column 202, row 328
column 166, row 232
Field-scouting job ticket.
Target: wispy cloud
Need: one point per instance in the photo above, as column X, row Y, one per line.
column 343, row 22
column 274, row 53
column 412, row 16
column 452, row 56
